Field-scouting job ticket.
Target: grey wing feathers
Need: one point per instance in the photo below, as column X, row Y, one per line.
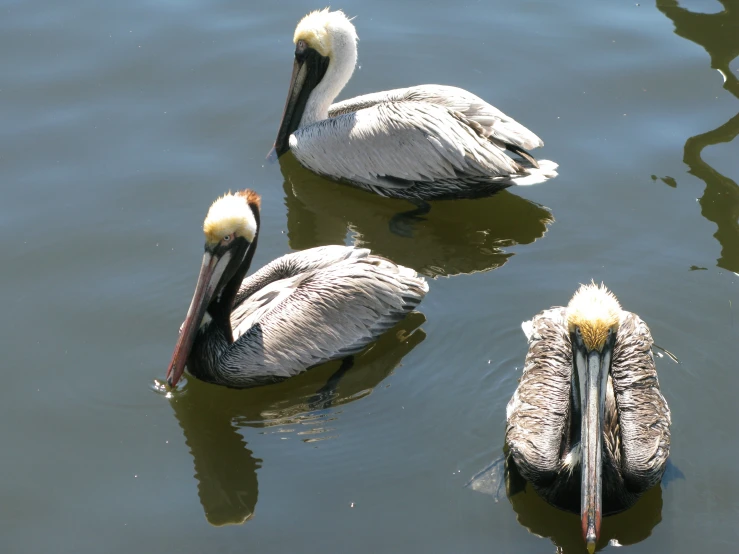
column 296, row 263
column 365, row 101
column 538, row 411
column 397, row 144
column 644, row 416
column 328, row 313
column 494, row 122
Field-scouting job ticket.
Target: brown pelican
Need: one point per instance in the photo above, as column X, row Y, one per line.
column 300, row 310
column 587, row 425
column 419, row 143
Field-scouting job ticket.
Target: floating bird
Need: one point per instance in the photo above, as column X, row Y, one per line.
column 298, row 311
column 427, row 142
column 588, row 425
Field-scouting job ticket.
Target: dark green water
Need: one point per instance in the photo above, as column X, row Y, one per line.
column 122, row 121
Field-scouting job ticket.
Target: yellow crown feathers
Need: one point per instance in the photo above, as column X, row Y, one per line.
column 595, row 310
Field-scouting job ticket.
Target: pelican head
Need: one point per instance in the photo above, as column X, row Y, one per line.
column 231, row 229
column 593, row 318
column 325, row 56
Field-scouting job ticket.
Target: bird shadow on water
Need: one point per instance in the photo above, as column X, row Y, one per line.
column 718, row 34
column 455, row 237
column 212, row 417
column 563, row 528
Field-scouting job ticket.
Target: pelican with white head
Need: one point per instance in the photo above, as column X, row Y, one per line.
column 418, row 143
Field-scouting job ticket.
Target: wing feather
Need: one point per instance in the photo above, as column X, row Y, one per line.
column 319, row 315
column 644, row 417
column 493, row 122
column 296, row 263
column 538, row 412
column 401, row 142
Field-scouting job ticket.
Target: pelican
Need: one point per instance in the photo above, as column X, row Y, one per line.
column 588, row 425
column 428, row 142
column 298, row 311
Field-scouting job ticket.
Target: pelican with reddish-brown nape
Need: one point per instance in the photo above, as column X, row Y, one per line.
column 588, row 425
column 298, row 311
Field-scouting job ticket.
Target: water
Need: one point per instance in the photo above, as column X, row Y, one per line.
column 123, row 121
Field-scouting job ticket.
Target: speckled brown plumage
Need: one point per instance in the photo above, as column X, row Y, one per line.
column 636, row 434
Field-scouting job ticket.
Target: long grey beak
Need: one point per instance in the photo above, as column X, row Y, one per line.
column 309, row 69
column 291, row 115
column 211, row 271
column 593, row 370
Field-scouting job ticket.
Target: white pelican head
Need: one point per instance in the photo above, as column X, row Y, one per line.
column 231, row 216
column 231, row 230
column 320, row 29
column 325, row 56
column 595, row 311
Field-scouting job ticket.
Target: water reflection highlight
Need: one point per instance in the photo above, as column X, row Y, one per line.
column 718, row 34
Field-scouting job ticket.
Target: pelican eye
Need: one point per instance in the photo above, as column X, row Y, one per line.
column 227, row 238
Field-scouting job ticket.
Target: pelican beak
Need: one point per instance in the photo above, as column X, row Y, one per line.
column 211, row 272
column 592, row 369
column 308, row 70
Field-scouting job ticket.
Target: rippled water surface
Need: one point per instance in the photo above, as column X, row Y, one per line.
column 122, row 121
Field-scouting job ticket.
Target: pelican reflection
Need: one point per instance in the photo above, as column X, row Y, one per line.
column 718, row 34
column 213, row 418
column 561, row 527
column 456, row 237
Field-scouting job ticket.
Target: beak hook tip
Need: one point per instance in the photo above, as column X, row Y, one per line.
column 591, row 538
column 171, row 381
column 590, row 532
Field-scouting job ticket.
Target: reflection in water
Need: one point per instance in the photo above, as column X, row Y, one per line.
column 211, row 417
column 563, row 528
column 457, row 236
column 225, row 468
column 718, row 33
